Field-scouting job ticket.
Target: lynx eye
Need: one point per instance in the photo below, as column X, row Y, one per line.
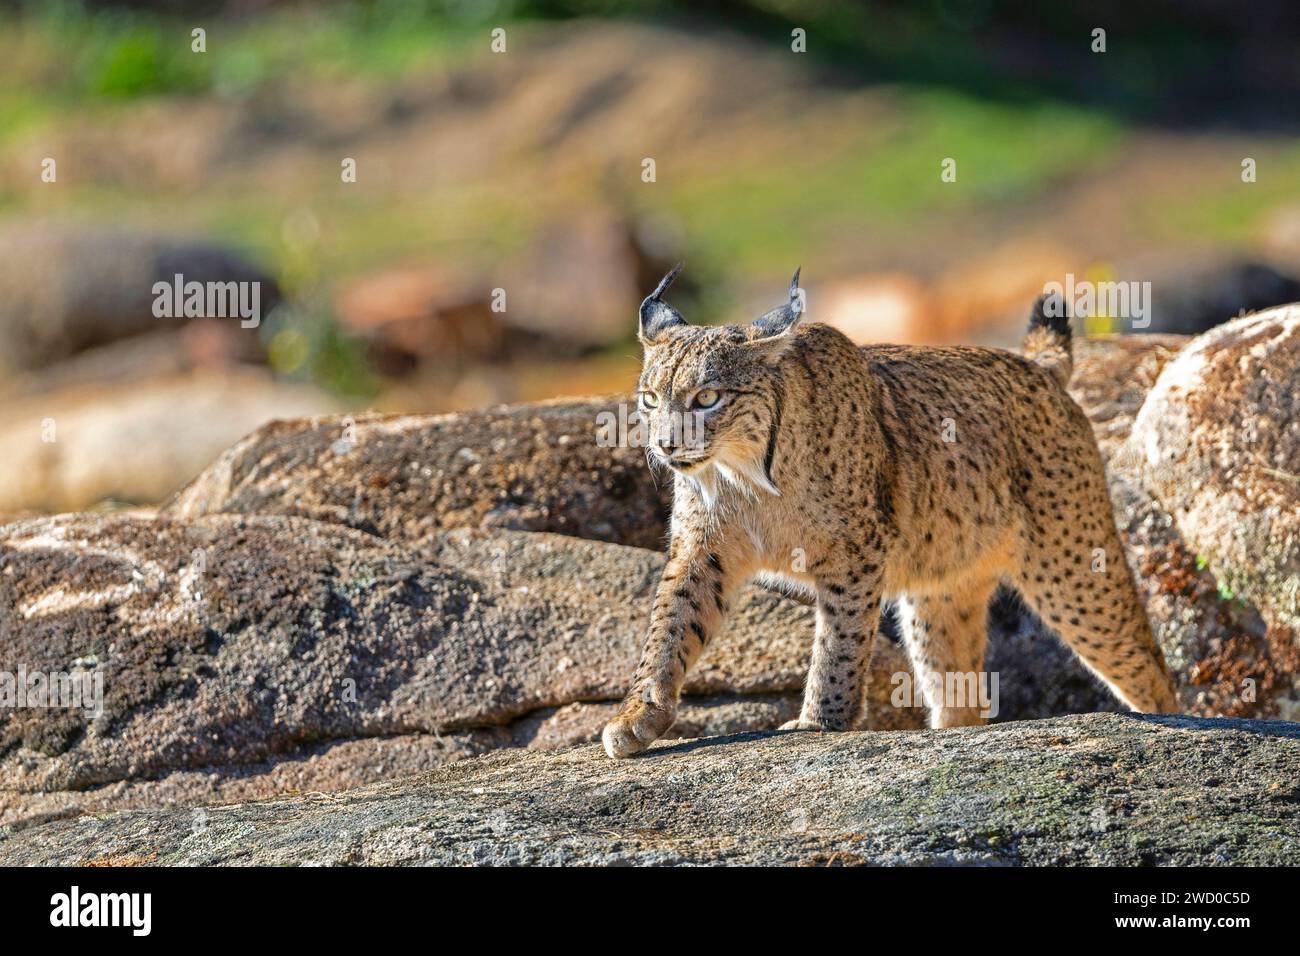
column 707, row 397
column 649, row 399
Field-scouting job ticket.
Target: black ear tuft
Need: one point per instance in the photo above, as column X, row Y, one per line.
column 657, row 317
column 784, row 318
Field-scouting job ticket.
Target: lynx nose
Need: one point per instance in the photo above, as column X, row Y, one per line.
column 668, row 440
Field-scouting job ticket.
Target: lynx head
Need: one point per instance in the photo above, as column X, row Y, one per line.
column 709, row 396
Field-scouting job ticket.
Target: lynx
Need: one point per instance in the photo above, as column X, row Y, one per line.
column 858, row 474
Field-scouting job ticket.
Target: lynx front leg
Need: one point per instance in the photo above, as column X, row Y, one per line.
column 847, row 614
column 692, row 601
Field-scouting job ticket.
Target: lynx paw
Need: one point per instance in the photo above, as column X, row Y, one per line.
column 800, row 725
column 639, row 725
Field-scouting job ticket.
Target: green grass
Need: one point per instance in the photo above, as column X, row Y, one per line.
column 1232, row 212
column 62, row 55
column 743, row 216
column 763, row 215
column 73, row 64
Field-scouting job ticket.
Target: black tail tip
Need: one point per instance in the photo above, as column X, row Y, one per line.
column 1051, row 312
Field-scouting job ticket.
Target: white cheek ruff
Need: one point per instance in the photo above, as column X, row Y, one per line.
column 705, row 481
column 747, row 475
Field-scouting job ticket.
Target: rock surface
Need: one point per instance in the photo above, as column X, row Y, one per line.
column 527, row 468
column 134, row 441
column 1096, row 790
column 590, row 257
column 551, row 475
column 420, row 312
column 1218, row 441
column 375, row 643
column 1112, row 376
column 1194, row 297
column 241, row 656
column 65, row 287
column 539, row 467
column 1227, row 660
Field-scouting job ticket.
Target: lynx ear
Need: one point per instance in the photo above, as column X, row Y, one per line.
column 782, row 320
column 658, row 317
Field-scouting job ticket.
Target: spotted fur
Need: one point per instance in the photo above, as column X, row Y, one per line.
column 923, row 474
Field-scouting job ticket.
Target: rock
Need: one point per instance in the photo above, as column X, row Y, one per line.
column 1227, row 660
column 567, row 291
column 332, row 766
column 560, row 480
column 1191, row 301
column 242, row 655
column 1112, row 375
column 1218, row 443
column 202, row 344
column 422, row 313
column 160, row 145
column 66, row 287
column 574, row 282
column 529, row 467
column 769, row 634
column 463, row 641
column 134, row 441
column 1102, row 790
column 544, row 460
column 1038, row 676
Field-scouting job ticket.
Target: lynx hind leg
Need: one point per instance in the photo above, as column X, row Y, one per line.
column 1087, row 595
column 946, row 634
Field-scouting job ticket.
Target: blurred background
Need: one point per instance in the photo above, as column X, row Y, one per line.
column 504, row 222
